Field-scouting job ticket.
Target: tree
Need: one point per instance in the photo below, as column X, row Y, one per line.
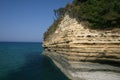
column 59, row 12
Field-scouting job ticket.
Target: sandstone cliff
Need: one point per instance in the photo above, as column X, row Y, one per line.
column 76, row 48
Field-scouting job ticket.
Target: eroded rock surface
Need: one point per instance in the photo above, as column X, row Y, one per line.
column 80, row 52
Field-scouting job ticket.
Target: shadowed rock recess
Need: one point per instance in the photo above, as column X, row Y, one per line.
column 82, row 53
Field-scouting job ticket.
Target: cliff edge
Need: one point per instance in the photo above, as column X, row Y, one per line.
column 82, row 53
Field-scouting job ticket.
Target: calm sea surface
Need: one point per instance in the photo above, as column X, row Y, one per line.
column 24, row 61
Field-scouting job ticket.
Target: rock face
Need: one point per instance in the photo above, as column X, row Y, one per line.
column 78, row 51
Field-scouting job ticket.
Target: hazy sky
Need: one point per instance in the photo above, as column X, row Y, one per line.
column 26, row 20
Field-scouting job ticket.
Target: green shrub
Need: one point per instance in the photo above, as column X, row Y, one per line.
column 99, row 14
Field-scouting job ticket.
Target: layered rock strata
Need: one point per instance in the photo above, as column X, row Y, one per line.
column 78, row 51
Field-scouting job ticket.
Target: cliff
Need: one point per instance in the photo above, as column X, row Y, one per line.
column 82, row 53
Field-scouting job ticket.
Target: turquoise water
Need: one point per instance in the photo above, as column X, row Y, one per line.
column 24, row 61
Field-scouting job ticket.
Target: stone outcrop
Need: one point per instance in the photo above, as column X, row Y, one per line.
column 77, row 49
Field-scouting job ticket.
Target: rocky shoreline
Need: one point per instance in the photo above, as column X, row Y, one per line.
column 86, row 70
column 80, row 52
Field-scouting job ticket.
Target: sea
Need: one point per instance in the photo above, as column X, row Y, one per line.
column 25, row 61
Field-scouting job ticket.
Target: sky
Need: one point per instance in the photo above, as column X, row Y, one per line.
column 27, row 20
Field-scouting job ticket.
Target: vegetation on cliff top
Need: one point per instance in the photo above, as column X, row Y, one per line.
column 99, row 14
